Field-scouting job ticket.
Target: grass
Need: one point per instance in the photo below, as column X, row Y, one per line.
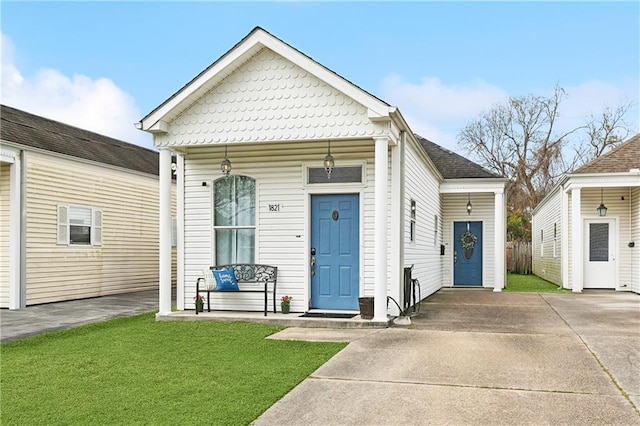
column 531, row 283
column 139, row 371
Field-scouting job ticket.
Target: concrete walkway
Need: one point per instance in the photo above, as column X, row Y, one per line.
column 469, row 357
column 474, row 357
column 37, row 319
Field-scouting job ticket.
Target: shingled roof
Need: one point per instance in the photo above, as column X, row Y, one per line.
column 452, row 165
column 31, row 130
column 622, row 158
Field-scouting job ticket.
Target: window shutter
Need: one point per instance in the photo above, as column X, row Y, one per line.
column 63, row 225
column 97, row 227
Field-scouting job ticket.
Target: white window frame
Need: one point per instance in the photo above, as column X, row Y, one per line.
column 555, row 240
column 64, row 226
column 542, row 243
column 413, row 208
column 235, row 227
column 347, row 163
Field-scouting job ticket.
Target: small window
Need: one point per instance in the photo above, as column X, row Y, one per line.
column 352, row 174
column 435, row 230
column 555, row 240
column 541, row 243
column 79, row 226
column 412, row 224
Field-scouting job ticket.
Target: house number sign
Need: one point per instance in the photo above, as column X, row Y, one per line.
column 274, row 207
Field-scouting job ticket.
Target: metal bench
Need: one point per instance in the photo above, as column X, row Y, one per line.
column 255, row 277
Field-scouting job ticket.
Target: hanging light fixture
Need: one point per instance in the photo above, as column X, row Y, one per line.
column 225, row 166
column 469, row 205
column 602, row 209
column 328, row 162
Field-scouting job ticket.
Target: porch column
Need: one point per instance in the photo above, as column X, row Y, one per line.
column 180, row 231
column 16, row 293
column 564, row 239
column 380, row 240
column 165, row 232
column 576, row 241
column 499, row 240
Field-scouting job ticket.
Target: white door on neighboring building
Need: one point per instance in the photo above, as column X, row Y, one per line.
column 600, row 253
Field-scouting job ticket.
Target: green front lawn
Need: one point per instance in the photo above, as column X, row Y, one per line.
column 531, row 283
column 139, row 371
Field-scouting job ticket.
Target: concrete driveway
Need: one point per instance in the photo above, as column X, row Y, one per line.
column 477, row 357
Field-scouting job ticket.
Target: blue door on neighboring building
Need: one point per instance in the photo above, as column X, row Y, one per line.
column 334, row 252
column 467, row 253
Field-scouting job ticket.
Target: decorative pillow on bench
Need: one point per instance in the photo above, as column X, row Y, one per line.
column 226, row 280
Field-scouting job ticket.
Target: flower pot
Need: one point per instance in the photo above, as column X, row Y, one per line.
column 199, row 307
column 284, row 307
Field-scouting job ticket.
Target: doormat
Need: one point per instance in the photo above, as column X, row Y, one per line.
column 326, row 315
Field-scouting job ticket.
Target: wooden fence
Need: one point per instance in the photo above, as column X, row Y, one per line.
column 519, row 257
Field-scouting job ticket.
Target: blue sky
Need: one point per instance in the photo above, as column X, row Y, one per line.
column 104, row 65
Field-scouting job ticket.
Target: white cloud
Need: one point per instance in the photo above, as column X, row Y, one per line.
column 438, row 111
column 591, row 98
column 98, row 104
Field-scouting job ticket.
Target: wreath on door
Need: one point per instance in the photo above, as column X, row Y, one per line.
column 468, row 241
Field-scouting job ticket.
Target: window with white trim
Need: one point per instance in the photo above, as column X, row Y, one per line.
column 234, row 219
column 555, row 240
column 435, row 230
column 412, row 223
column 80, row 226
column 541, row 243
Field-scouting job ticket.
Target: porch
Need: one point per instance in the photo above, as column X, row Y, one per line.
column 294, row 319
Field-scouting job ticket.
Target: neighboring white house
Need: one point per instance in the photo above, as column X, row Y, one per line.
column 595, row 209
column 78, row 213
column 393, row 199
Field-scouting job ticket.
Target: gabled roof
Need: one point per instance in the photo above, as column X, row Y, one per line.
column 246, row 48
column 622, row 158
column 31, row 130
column 452, row 165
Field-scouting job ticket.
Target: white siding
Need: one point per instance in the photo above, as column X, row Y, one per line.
column 619, row 207
column 281, row 238
column 635, row 237
column 269, row 98
column 454, row 210
column 126, row 261
column 545, row 264
column 423, row 187
column 4, row 234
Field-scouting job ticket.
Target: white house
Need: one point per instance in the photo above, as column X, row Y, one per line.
column 392, row 199
column 586, row 232
column 78, row 213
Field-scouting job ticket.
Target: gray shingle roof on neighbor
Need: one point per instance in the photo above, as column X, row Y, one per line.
column 622, row 158
column 452, row 165
column 31, row 130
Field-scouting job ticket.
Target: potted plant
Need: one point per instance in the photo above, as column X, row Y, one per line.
column 199, row 299
column 285, row 304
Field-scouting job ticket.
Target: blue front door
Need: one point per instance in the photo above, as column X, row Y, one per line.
column 335, row 227
column 467, row 253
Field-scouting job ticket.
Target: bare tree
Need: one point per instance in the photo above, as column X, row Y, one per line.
column 605, row 132
column 521, row 141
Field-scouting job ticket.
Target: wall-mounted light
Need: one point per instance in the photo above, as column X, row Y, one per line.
column 469, row 205
column 225, row 166
column 174, row 167
column 328, row 162
column 602, row 209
